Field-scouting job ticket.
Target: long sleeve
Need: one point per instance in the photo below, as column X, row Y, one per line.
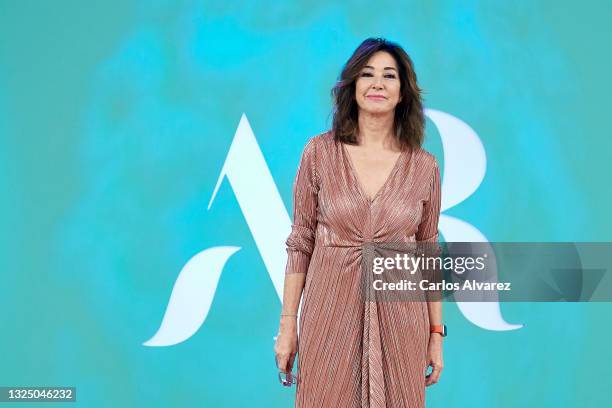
column 428, row 228
column 300, row 242
column 427, row 234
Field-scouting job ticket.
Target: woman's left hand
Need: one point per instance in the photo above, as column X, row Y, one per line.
column 434, row 359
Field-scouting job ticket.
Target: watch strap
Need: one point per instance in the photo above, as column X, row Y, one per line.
column 440, row 328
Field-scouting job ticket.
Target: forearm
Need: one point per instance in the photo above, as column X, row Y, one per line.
column 435, row 312
column 292, row 293
column 286, row 345
column 434, row 297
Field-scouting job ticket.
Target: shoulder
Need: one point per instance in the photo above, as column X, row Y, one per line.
column 425, row 159
column 427, row 167
column 320, row 140
column 314, row 147
column 319, row 143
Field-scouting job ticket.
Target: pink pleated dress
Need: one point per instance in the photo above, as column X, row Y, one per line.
column 353, row 352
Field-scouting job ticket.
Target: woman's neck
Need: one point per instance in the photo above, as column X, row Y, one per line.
column 376, row 130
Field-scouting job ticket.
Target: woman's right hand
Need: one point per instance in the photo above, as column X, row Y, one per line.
column 285, row 347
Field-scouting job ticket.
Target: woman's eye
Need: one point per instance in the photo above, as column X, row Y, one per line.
column 367, row 74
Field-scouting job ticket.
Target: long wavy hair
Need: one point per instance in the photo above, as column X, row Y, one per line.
column 409, row 117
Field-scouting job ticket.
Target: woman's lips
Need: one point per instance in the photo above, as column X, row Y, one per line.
column 376, row 98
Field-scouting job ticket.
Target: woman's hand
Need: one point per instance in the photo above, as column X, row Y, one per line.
column 434, row 359
column 285, row 347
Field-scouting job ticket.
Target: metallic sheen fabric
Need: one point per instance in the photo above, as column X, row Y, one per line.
column 354, row 352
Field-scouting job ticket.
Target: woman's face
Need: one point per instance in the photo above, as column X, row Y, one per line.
column 377, row 89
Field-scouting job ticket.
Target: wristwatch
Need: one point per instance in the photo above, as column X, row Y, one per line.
column 441, row 329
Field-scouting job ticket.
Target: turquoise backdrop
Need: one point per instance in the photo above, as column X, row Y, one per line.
column 116, row 119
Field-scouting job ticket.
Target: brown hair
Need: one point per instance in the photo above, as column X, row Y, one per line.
column 409, row 117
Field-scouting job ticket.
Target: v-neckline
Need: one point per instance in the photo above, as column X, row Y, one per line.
column 355, row 176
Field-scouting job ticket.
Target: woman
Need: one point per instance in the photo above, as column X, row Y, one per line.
column 365, row 180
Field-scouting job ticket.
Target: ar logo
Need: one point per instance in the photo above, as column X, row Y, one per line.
column 270, row 224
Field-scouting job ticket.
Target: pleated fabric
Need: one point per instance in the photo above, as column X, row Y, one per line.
column 352, row 351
